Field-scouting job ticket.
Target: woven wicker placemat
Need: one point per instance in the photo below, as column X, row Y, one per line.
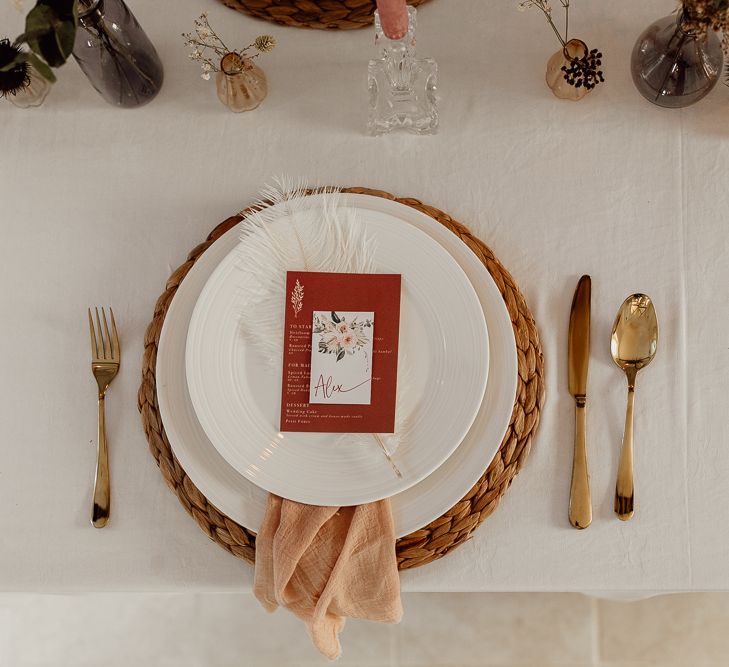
column 319, row 14
column 458, row 523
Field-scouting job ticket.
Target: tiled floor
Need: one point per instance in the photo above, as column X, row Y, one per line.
column 506, row 630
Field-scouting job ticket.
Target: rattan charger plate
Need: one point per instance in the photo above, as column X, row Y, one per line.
column 318, row 14
column 458, row 523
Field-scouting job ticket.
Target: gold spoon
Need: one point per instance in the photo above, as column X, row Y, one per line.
column 633, row 345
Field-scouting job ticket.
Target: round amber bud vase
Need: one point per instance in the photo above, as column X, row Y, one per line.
column 573, row 50
column 241, row 83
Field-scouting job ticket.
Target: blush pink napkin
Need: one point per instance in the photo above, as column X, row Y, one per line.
column 327, row 563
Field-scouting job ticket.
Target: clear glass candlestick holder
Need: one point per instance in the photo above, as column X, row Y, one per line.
column 402, row 87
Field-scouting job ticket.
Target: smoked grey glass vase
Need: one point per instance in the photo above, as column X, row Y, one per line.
column 674, row 66
column 115, row 53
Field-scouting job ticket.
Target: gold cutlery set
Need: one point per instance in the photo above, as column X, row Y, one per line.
column 633, row 344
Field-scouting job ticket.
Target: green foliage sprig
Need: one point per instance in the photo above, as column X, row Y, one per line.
column 46, row 43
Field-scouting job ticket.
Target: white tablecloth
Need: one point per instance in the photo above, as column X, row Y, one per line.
column 99, row 205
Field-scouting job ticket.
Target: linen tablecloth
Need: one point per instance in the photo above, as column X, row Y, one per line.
column 99, row 205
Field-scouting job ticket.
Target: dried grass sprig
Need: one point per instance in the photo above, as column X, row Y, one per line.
column 205, row 42
column 546, row 8
column 703, row 15
column 700, row 16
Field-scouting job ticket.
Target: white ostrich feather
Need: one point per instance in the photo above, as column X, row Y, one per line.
column 288, row 229
column 291, row 231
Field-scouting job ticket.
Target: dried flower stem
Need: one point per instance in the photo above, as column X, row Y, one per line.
column 204, row 39
column 701, row 15
column 546, row 9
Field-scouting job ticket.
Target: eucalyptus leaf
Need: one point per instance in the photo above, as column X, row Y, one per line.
column 50, row 30
column 64, row 9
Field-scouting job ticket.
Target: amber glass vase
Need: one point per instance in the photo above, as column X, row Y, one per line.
column 241, row 83
column 573, row 50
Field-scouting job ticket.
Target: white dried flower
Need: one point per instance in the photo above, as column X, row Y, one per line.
column 207, row 48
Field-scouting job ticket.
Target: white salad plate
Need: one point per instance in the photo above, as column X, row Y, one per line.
column 236, row 390
column 244, row 502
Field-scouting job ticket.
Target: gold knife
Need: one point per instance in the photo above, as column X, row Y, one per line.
column 579, row 356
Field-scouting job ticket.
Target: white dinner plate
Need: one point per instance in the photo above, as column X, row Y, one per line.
column 245, row 503
column 237, row 394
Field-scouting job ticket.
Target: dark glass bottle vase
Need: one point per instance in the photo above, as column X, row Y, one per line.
column 674, row 66
column 115, row 53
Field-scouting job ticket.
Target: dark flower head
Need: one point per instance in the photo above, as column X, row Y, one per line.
column 584, row 71
column 17, row 76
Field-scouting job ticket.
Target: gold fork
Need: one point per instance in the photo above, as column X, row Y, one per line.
column 105, row 358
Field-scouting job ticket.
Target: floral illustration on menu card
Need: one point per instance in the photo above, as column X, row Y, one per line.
column 297, row 298
column 337, row 336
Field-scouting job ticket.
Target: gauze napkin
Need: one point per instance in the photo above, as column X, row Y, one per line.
column 325, row 564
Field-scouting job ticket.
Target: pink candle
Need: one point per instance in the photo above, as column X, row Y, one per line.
column 394, row 18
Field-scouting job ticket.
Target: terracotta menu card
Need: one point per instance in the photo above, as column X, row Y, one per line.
column 340, row 352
